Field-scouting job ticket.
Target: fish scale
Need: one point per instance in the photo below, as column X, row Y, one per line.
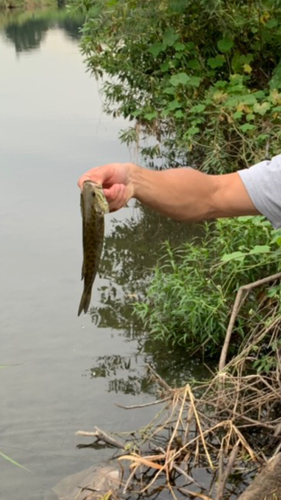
column 93, row 208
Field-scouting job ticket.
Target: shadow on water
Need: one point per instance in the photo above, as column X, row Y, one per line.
column 27, row 30
column 131, row 250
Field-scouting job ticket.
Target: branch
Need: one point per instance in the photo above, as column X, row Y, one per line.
column 144, row 405
column 102, row 436
column 235, row 310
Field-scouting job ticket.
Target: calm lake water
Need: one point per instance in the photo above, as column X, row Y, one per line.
column 61, row 373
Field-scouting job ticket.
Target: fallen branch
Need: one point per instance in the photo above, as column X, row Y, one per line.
column 235, row 311
column 226, row 473
column 102, row 436
column 144, row 405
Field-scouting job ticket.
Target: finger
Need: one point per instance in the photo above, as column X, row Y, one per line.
column 97, row 174
column 116, row 196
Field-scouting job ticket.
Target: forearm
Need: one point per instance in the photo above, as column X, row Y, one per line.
column 183, row 194
column 189, row 195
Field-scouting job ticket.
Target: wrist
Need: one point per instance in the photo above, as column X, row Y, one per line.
column 136, row 174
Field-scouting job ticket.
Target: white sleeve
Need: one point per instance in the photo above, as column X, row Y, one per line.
column 263, row 184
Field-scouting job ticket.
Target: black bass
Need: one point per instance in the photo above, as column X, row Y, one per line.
column 93, row 208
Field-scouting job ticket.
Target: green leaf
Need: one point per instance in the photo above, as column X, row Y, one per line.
column 272, row 23
column 216, row 62
column 233, row 256
column 179, row 46
column 198, row 108
column 189, row 46
column 193, row 64
column 237, row 115
column 192, row 131
column 275, row 82
column 245, row 218
column 225, row 44
column 239, row 60
column 261, row 138
column 170, row 37
column 247, row 126
column 169, row 90
column 221, row 84
column 247, row 68
column 179, row 114
column 194, row 81
column 276, row 237
column 174, row 105
column 165, row 67
column 151, row 116
column 259, row 94
column 278, row 241
column 273, row 291
column 259, row 249
column 261, row 109
column 137, row 112
column 156, row 48
column 179, row 79
column 179, row 55
column 248, row 99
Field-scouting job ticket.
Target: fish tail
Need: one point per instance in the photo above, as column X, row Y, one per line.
column 85, row 302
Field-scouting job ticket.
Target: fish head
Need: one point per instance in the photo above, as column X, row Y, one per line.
column 95, row 191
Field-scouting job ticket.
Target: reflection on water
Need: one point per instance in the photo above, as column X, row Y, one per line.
column 131, row 249
column 28, row 35
column 28, row 31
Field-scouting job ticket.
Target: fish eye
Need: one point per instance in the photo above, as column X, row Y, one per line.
column 93, row 194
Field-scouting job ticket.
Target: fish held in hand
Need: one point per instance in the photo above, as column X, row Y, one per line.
column 93, row 208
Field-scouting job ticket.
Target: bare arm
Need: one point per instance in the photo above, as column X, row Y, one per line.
column 183, row 194
column 190, row 195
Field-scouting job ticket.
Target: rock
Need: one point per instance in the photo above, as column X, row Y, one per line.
column 267, row 484
column 90, row 484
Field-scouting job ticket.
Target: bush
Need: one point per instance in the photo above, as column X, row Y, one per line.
column 203, row 77
column 191, row 295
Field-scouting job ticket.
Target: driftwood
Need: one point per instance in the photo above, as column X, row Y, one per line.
column 267, row 484
column 102, row 436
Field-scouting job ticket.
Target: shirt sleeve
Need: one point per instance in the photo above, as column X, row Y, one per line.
column 263, row 184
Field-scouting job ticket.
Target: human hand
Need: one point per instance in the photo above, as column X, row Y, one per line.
column 116, row 179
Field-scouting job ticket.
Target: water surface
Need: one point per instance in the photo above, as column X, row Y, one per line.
column 62, row 373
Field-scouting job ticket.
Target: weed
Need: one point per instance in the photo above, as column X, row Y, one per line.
column 191, row 294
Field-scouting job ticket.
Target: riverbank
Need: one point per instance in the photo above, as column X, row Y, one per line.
column 228, row 426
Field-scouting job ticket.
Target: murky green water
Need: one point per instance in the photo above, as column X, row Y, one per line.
column 64, row 373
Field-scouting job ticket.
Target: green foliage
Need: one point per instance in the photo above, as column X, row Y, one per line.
column 203, row 77
column 192, row 292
